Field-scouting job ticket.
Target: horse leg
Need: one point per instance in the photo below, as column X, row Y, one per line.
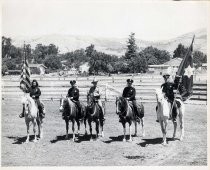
column 163, row 129
column 90, row 125
column 34, row 129
column 175, row 127
column 73, row 130
column 102, row 129
column 135, row 124
column 124, row 131
column 142, row 125
column 78, row 126
column 38, row 124
column 97, row 129
column 27, row 138
column 181, row 119
column 67, row 128
column 85, row 123
column 130, row 137
column 41, row 128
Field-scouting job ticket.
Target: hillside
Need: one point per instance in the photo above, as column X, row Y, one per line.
column 115, row 46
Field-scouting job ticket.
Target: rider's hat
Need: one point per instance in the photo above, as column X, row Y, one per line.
column 72, row 82
column 166, row 76
column 129, row 81
column 94, row 81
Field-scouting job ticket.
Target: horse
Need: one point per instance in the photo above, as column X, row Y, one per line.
column 94, row 113
column 31, row 114
column 70, row 113
column 126, row 112
column 163, row 110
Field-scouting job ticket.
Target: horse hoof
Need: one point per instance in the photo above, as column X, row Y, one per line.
column 124, row 140
column 26, row 141
column 66, row 137
column 102, row 135
column 164, row 143
column 91, row 139
column 130, row 140
column 181, row 139
column 35, row 140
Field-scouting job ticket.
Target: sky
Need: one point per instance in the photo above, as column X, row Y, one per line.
column 157, row 20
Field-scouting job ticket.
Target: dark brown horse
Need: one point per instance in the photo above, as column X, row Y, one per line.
column 125, row 110
column 94, row 113
column 70, row 113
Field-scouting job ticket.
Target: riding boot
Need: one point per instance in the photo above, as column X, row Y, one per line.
column 22, row 114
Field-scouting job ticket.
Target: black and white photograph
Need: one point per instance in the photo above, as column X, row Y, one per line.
column 104, row 83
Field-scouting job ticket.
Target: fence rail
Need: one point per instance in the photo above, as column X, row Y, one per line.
column 53, row 88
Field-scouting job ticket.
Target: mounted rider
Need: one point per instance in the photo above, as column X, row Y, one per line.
column 129, row 93
column 170, row 89
column 73, row 94
column 96, row 94
column 35, row 93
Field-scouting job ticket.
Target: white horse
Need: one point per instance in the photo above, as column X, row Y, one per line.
column 163, row 111
column 31, row 115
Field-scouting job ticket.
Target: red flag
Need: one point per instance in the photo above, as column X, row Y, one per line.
column 186, row 72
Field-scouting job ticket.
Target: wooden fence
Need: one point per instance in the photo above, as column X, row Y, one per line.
column 53, row 88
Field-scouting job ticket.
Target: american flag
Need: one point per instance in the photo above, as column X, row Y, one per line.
column 25, row 75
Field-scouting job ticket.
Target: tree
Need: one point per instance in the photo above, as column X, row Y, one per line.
column 6, row 45
column 140, row 63
column 52, row 49
column 131, row 47
column 4, row 69
column 89, row 50
column 155, row 56
column 53, row 62
column 180, row 51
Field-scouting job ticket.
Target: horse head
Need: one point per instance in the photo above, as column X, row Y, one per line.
column 62, row 102
column 30, row 105
column 121, row 105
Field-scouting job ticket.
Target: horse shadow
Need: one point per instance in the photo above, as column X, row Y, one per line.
column 117, row 138
column 20, row 140
column 79, row 138
column 154, row 141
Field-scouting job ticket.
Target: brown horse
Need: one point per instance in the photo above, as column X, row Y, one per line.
column 94, row 113
column 125, row 110
column 70, row 113
column 31, row 114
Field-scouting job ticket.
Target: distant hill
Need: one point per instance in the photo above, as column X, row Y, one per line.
column 114, row 46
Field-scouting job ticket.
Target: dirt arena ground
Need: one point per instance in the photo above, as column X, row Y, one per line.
column 54, row 150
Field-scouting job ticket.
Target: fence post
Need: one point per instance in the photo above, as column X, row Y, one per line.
column 106, row 92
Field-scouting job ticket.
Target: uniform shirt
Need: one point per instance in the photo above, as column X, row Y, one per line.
column 129, row 92
column 74, row 92
column 168, row 88
column 35, row 91
column 94, row 91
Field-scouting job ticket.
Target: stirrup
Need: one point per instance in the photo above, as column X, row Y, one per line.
column 21, row 115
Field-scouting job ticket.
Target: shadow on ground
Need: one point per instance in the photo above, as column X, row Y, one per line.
column 154, row 141
column 117, row 138
column 20, row 140
column 79, row 139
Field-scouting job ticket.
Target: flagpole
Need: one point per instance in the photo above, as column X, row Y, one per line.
column 177, row 74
